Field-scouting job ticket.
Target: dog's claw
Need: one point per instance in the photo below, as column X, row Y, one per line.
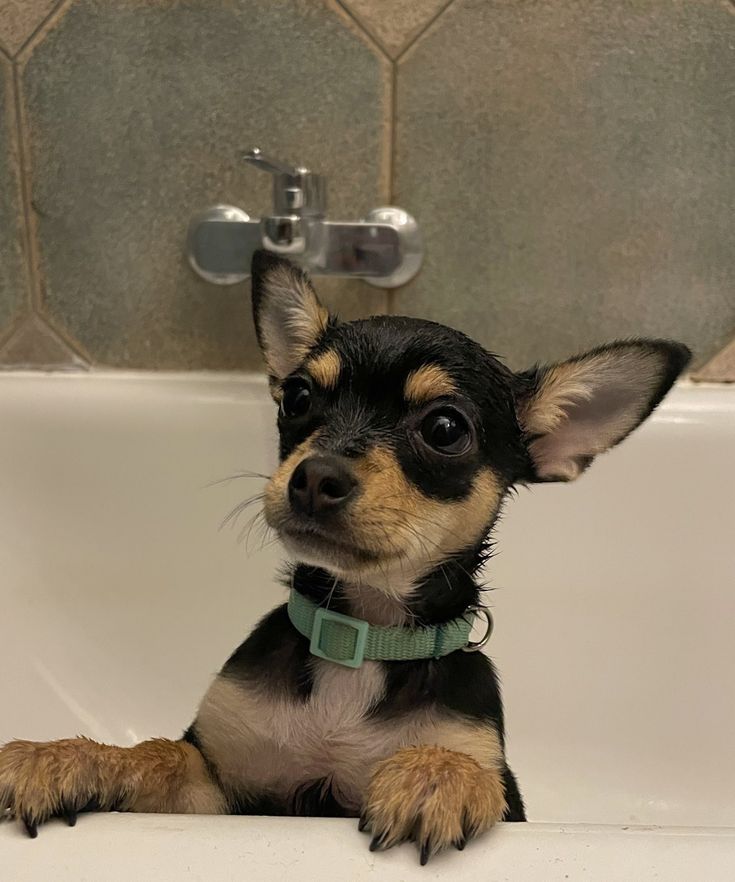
column 460, row 843
column 362, row 824
column 71, row 818
column 425, row 853
column 31, row 827
column 376, row 843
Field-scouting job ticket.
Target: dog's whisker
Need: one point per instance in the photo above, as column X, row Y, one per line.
column 246, row 530
column 335, row 583
column 446, row 577
column 233, row 516
column 238, row 476
column 257, row 522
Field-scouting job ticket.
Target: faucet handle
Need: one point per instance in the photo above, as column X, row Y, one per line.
column 296, row 190
column 256, row 157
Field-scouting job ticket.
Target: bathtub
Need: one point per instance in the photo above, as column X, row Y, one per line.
column 614, row 609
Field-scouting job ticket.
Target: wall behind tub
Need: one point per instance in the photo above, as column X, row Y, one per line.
column 570, row 163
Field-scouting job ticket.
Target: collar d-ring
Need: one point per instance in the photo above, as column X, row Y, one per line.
column 479, row 610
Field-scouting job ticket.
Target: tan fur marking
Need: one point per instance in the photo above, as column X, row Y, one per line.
column 561, row 386
column 325, row 368
column 41, row 779
column 427, row 383
column 566, row 432
column 392, row 519
column 576, row 381
column 439, row 796
column 292, row 321
column 478, row 740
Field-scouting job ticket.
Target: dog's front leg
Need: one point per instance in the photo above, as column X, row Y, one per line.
column 433, row 795
column 41, row 779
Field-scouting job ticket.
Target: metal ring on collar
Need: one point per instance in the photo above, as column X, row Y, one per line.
column 479, row 609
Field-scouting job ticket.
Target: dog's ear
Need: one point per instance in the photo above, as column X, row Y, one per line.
column 572, row 411
column 289, row 319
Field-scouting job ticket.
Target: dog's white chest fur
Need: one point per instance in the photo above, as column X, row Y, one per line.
column 332, row 734
column 274, row 744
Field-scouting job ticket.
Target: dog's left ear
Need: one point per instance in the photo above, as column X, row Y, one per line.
column 289, row 319
column 572, row 411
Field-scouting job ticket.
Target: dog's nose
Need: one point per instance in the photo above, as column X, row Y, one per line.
column 320, row 485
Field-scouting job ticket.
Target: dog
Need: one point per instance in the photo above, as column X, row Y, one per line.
column 364, row 696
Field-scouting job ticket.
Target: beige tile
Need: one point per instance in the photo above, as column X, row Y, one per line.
column 395, row 24
column 720, row 369
column 138, row 113
column 34, row 345
column 571, row 167
column 19, row 19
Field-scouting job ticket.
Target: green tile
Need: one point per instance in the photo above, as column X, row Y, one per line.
column 137, row 112
column 571, row 166
column 12, row 270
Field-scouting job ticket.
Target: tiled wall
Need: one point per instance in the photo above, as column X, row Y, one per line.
column 570, row 163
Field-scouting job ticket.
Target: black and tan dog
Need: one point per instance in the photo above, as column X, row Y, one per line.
column 399, row 441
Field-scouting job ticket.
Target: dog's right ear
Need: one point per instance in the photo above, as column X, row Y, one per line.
column 289, row 319
column 571, row 412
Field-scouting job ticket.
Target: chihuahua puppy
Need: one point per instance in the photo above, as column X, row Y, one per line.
column 362, row 697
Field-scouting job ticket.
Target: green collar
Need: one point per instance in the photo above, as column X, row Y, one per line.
column 348, row 641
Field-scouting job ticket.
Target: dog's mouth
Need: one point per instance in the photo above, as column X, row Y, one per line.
column 318, row 545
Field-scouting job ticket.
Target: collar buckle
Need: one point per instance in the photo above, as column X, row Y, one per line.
column 339, row 638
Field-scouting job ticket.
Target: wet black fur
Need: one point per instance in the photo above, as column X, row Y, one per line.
column 368, row 407
column 276, row 656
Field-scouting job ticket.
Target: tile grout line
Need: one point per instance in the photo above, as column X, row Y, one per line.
column 425, row 27
column 32, row 255
column 393, row 131
column 389, row 152
column 40, row 26
column 390, row 300
column 8, row 332
column 385, row 141
column 74, row 346
column 34, row 299
column 726, row 344
column 10, row 124
column 365, row 29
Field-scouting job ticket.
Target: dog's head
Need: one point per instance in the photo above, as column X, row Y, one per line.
column 400, row 437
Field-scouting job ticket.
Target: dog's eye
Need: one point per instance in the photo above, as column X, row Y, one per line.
column 296, row 400
column 447, row 431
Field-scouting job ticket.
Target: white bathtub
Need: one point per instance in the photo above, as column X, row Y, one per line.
column 615, row 634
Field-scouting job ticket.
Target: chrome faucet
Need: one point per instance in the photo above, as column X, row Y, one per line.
column 385, row 249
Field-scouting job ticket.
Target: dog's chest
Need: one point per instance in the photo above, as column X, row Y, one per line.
column 332, row 734
column 265, row 743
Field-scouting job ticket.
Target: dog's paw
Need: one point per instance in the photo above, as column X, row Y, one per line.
column 433, row 796
column 39, row 780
